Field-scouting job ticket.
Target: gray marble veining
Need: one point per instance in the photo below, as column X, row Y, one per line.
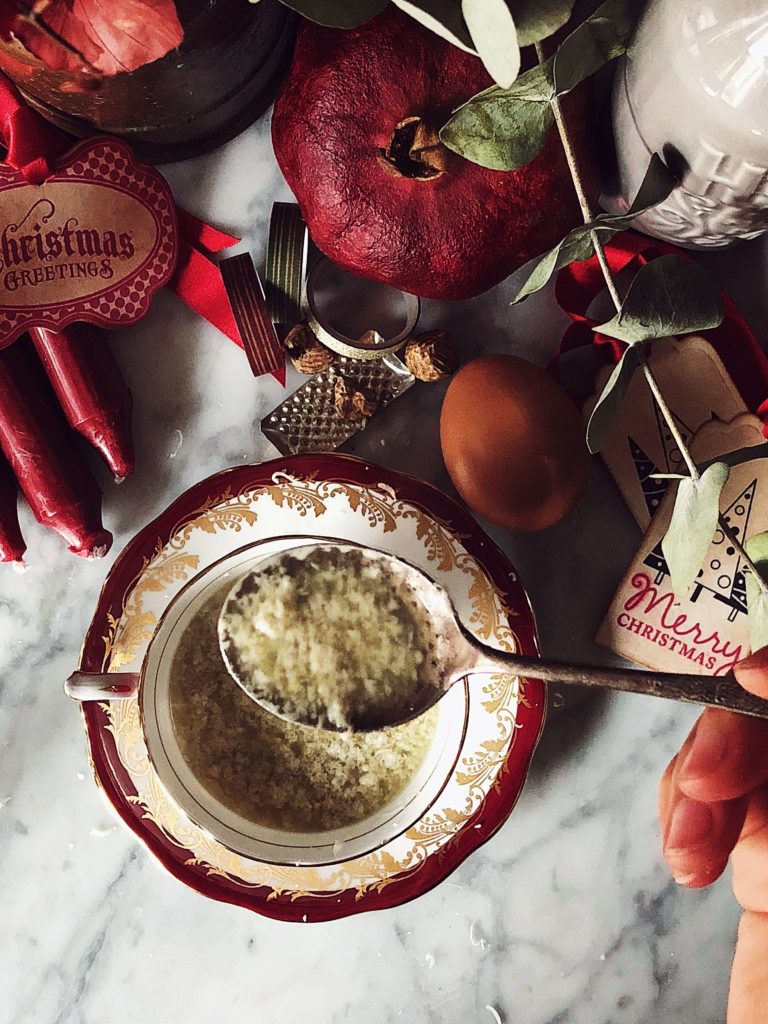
column 567, row 915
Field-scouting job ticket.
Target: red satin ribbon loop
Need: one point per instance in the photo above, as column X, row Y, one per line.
column 202, row 235
column 31, row 142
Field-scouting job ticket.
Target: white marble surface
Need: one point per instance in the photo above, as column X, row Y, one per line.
column 567, row 915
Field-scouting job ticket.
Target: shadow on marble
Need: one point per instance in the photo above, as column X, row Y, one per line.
column 574, row 716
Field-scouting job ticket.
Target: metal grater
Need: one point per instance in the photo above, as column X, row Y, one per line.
column 308, row 420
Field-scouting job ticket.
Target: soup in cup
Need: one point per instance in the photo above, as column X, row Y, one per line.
column 272, row 790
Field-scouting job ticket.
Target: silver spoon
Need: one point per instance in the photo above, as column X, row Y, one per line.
column 459, row 654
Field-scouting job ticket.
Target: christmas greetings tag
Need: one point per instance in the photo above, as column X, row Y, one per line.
column 93, row 242
column 697, row 388
column 707, row 632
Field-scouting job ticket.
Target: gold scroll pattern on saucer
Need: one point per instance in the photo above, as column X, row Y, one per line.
column 171, row 563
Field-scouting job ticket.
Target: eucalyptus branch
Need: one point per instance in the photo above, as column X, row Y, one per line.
column 588, row 215
column 586, row 210
column 669, row 418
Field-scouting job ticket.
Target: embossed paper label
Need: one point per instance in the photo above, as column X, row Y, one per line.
column 94, row 242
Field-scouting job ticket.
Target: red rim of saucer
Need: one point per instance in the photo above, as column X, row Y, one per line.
column 491, row 814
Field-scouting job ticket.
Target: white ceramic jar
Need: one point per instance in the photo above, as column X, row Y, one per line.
column 694, row 87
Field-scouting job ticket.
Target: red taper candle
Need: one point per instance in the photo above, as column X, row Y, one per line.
column 12, row 546
column 43, row 454
column 91, row 390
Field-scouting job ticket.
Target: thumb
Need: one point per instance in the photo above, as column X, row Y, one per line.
column 749, row 976
column 752, row 672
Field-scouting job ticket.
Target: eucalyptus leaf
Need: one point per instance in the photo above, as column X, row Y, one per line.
column 349, row 14
column 692, row 526
column 496, row 128
column 670, row 295
column 604, row 413
column 504, row 128
column 535, row 84
column 441, row 16
column 596, row 41
column 578, row 245
column 538, row 19
column 757, row 598
column 494, row 36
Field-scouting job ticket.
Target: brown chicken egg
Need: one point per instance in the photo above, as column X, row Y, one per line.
column 514, row 443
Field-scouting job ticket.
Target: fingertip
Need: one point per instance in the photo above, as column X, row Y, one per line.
column 752, row 672
column 695, row 867
column 691, row 825
column 697, row 881
column 690, row 872
column 700, row 839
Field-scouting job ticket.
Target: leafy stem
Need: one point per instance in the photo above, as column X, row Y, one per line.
column 666, row 412
column 669, row 418
column 586, row 210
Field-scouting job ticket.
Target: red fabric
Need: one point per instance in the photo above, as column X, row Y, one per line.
column 29, row 139
column 31, row 144
column 202, row 235
column 198, row 282
column 578, row 284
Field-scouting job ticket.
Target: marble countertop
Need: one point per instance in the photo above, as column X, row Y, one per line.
column 567, row 915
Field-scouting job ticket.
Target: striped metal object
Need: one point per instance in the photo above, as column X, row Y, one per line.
column 257, row 332
column 286, row 264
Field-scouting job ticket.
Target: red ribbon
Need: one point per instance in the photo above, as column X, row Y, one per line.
column 32, row 143
column 579, row 283
column 29, row 139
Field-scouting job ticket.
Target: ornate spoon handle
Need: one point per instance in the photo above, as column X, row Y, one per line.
column 716, row 691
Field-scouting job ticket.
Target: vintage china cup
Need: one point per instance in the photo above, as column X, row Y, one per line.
column 236, row 832
column 473, row 772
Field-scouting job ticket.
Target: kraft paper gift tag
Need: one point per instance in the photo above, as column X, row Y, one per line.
column 707, row 632
column 697, row 388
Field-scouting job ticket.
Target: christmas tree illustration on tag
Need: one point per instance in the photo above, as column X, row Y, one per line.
column 697, row 388
column 707, row 631
column 722, row 575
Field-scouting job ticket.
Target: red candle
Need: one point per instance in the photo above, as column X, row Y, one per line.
column 12, row 546
column 43, row 455
column 91, row 390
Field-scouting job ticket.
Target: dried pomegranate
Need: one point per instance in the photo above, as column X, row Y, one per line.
column 355, row 133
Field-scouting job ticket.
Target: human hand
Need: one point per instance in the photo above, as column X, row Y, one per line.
column 713, row 805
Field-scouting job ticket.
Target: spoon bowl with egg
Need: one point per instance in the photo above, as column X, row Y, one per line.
column 340, row 636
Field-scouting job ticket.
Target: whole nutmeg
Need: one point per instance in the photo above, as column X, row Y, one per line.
column 353, row 402
column 431, row 356
column 307, row 352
